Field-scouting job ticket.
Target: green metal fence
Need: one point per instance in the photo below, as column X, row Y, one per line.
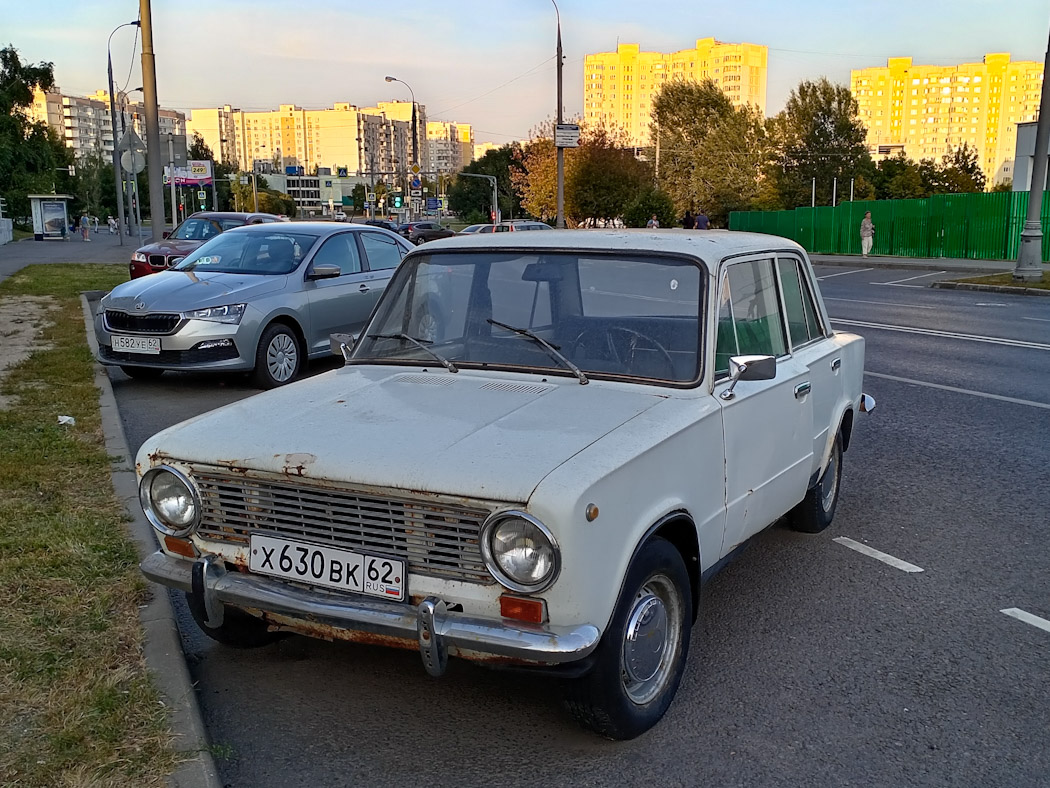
column 975, row 226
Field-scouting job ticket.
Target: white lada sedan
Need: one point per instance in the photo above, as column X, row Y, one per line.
column 537, row 449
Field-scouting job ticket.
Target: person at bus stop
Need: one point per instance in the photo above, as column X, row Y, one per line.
column 867, row 233
column 85, row 226
column 688, row 222
column 702, row 222
column 653, row 223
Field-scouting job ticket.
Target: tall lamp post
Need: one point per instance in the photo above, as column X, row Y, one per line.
column 415, row 143
column 495, row 193
column 560, row 151
column 1030, row 257
column 113, row 127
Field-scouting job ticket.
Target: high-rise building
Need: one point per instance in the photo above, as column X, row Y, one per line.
column 481, row 148
column 619, row 87
column 926, row 110
column 83, row 123
column 450, row 147
column 373, row 141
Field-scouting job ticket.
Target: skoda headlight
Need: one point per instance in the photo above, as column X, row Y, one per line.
column 170, row 501
column 520, row 551
column 138, row 257
column 231, row 313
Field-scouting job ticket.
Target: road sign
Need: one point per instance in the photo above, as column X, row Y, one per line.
column 202, row 196
column 416, row 192
column 133, row 161
column 130, row 140
column 433, row 203
column 371, row 196
column 415, row 169
column 567, row 135
column 416, row 183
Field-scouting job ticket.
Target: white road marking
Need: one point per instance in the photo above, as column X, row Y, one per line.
column 843, row 273
column 932, row 332
column 910, row 278
column 1028, row 618
column 1040, row 319
column 880, row 303
column 956, row 390
column 991, row 305
column 878, row 555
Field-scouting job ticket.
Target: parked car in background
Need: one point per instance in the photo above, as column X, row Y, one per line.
column 519, row 225
column 386, row 224
column 542, row 477
column 473, row 228
column 190, row 234
column 261, row 298
column 339, row 216
column 421, row 232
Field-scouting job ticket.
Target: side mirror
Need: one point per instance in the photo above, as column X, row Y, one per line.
column 749, row 368
column 325, row 271
column 165, row 234
column 342, row 344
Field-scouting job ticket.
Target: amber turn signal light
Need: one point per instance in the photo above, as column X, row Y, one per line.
column 533, row 611
column 180, row 546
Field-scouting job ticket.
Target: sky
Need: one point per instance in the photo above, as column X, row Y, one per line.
column 489, row 64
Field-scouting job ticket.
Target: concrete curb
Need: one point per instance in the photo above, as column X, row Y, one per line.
column 163, row 645
column 1033, row 291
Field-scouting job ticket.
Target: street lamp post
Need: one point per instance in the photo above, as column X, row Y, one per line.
column 415, row 142
column 495, row 194
column 1030, row 257
column 113, row 127
column 560, row 151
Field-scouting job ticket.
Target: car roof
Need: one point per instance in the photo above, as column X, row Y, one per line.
column 708, row 245
column 320, row 229
column 228, row 215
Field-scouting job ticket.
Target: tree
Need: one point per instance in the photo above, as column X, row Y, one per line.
column 817, row 135
column 960, row 172
column 29, row 152
column 1003, row 186
column 711, row 153
column 648, row 202
column 471, row 198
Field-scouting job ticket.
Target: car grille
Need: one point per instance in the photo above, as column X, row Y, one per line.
column 171, row 358
column 159, row 323
column 158, row 261
column 433, row 538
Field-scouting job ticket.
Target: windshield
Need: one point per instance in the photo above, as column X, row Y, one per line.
column 274, row 252
column 607, row 315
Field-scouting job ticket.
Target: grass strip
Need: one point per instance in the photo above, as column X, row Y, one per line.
column 77, row 706
column 1007, row 280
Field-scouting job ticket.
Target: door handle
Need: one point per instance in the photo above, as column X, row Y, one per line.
column 836, row 363
column 802, row 389
column 363, row 288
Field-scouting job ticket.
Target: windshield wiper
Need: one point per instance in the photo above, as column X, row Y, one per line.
column 420, row 343
column 547, row 345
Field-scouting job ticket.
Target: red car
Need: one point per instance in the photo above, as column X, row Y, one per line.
column 191, row 233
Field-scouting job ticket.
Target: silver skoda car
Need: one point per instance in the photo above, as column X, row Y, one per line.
column 263, row 298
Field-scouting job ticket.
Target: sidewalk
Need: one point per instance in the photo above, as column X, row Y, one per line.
column 950, row 264
column 102, row 248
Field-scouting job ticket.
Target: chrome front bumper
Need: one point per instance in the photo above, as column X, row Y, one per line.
column 433, row 626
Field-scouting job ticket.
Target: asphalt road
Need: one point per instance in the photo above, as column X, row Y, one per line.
column 811, row 664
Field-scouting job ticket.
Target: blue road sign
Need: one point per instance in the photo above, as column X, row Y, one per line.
column 433, row 203
column 416, row 183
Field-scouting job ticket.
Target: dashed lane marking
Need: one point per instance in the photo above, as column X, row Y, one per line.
column 932, row 332
column 844, row 273
column 1028, row 618
column 957, row 390
column 900, row 282
column 878, row 555
column 881, row 303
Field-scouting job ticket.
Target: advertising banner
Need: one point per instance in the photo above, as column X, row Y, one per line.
column 195, row 174
column 53, row 213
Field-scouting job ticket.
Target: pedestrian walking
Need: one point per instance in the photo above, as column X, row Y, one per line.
column 76, row 224
column 688, row 222
column 94, row 223
column 867, row 234
column 653, row 223
column 702, row 222
column 112, row 224
column 85, row 225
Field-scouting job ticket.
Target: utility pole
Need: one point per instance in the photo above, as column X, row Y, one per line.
column 118, row 177
column 834, row 190
column 171, row 180
column 149, row 98
column 560, row 151
column 1030, row 257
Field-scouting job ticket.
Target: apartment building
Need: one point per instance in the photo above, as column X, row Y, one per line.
column 363, row 141
column 450, row 147
column 618, row 87
column 926, row 110
column 83, row 122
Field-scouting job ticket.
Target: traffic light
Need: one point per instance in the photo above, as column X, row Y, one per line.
column 397, row 200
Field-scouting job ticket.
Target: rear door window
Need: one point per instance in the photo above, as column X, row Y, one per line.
column 383, row 253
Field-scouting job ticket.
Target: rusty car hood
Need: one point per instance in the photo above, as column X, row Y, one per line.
column 472, row 434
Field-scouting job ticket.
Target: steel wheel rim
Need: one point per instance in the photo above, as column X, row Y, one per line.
column 282, row 357
column 829, row 482
column 651, row 640
column 427, row 327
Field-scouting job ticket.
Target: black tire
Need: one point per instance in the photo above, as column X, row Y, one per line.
column 420, row 240
column 238, row 630
column 817, row 509
column 142, row 373
column 279, row 357
column 610, row 699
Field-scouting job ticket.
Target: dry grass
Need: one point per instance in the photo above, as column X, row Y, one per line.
column 1008, row 281
column 77, row 707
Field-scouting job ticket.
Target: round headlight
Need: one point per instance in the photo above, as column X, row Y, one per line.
column 520, row 552
column 169, row 501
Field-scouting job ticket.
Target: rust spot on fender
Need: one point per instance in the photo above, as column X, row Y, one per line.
column 327, row 632
column 296, row 464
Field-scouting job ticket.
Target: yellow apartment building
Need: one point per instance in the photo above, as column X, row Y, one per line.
column 618, row 87
column 368, row 141
column 450, row 146
column 925, row 110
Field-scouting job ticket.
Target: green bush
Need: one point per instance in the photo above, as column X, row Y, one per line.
column 648, row 202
